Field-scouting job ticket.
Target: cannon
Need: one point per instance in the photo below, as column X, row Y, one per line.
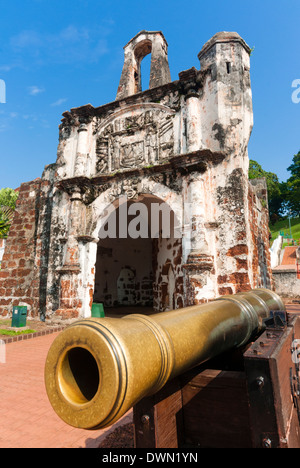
column 99, row 368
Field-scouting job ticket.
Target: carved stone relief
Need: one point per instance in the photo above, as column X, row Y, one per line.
column 138, row 140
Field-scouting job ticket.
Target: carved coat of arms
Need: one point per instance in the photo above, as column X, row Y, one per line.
column 140, row 139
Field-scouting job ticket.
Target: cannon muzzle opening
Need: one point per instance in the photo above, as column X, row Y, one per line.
column 79, row 376
column 98, row 368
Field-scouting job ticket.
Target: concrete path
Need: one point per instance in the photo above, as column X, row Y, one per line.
column 27, row 419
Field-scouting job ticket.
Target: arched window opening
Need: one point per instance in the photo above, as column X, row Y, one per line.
column 142, row 54
column 145, row 68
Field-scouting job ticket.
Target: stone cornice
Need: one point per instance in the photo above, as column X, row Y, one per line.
column 183, row 163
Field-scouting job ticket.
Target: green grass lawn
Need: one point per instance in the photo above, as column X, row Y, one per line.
column 4, row 331
column 283, row 225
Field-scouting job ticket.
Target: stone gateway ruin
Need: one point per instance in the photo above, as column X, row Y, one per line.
column 176, row 151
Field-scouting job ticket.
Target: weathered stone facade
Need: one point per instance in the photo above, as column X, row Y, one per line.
column 181, row 143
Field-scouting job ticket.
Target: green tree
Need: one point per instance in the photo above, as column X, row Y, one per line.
column 8, row 199
column 292, row 187
column 275, row 194
column 6, row 217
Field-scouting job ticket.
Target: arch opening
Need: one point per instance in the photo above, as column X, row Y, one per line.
column 136, row 240
column 142, row 75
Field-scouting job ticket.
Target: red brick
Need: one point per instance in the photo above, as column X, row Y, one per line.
column 242, row 287
column 4, row 274
column 222, row 279
column 67, row 313
column 239, row 278
column 5, row 302
column 225, row 291
column 22, row 273
column 239, row 249
column 241, row 264
column 11, row 283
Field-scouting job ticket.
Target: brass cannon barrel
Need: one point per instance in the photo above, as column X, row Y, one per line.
column 98, row 368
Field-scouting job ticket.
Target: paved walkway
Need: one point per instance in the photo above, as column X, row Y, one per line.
column 289, row 256
column 27, row 419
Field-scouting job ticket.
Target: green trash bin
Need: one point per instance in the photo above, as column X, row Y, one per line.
column 19, row 316
column 97, row 309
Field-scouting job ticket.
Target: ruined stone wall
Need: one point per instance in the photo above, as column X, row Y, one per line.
column 246, row 238
column 233, row 238
column 23, row 275
column 258, row 225
column 287, row 283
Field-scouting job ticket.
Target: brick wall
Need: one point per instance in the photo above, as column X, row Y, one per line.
column 23, row 275
column 17, row 282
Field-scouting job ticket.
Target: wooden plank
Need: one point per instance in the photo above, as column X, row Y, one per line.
column 284, row 373
column 158, row 418
column 215, row 410
column 168, row 416
column 144, row 424
column 268, row 366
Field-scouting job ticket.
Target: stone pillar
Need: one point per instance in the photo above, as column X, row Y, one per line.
column 193, row 123
column 81, row 153
column 199, row 261
column 89, row 256
column 160, row 71
column 190, row 86
column 196, row 193
column 70, row 302
column 75, row 227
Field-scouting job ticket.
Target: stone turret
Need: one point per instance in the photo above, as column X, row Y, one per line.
column 227, row 94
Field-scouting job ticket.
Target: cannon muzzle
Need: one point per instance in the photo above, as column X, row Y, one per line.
column 98, row 368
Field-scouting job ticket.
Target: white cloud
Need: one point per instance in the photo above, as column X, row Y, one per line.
column 3, row 126
column 25, row 39
column 34, row 90
column 70, row 44
column 6, row 68
column 58, row 102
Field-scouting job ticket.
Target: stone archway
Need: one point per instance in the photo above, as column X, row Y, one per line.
column 129, row 267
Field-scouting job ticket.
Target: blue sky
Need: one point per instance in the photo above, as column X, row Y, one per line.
column 56, row 55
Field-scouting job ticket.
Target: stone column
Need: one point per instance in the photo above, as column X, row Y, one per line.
column 75, row 227
column 199, row 260
column 89, row 256
column 81, row 153
column 70, row 303
column 193, row 122
column 190, row 86
column 197, row 215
